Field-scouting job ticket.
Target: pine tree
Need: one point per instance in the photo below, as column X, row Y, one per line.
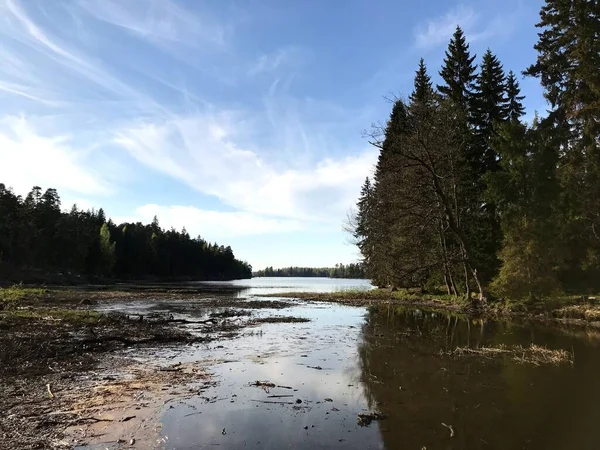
column 514, row 101
column 458, row 72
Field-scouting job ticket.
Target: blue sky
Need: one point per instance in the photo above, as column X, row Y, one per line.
column 240, row 120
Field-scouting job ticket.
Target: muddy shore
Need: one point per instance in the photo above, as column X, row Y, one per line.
column 76, row 371
column 72, row 372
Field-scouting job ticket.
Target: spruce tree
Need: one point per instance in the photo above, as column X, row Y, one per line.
column 489, row 109
column 567, row 66
column 514, row 101
column 526, row 190
column 458, row 72
column 568, row 61
column 423, row 90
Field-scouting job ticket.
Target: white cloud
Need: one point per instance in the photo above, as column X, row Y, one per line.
column 29, row 158
column 275, row 160
column 204, row 152
column 210, row 224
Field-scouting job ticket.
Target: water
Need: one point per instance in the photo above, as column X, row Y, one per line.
column 274, row 285
column 349, row 361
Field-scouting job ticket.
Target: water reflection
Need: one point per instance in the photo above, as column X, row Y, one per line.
column 274, row 285
column 318, row 361
column 489, row 403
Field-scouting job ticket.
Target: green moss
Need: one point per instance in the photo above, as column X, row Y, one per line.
column 12, row 296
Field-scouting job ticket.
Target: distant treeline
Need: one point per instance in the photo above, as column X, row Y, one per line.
column 339, row 271
column 35, row 235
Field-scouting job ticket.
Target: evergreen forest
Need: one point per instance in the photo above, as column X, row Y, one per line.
column 470, row 197
column 352, row 270
column 37, row 239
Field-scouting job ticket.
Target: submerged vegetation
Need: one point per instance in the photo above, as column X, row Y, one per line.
column 468, row 196
column 38, row 240
column 534, row 354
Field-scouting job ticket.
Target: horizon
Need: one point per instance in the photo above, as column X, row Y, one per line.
column 230, row 120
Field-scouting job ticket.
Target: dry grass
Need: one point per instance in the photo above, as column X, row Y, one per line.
column 365, row 297
column 534, row 354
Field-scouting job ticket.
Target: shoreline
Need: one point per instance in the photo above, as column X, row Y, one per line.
column 565, row 313
column 73, row 374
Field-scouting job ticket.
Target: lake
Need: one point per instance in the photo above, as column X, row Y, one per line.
column 318, row 377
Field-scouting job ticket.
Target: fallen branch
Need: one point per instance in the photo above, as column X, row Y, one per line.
column 274, row 403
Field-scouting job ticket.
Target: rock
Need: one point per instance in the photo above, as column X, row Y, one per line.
column 132, row 441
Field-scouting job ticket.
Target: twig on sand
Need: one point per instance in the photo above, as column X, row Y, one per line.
column 49, row 391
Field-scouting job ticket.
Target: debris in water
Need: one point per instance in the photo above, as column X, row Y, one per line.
column 298, row 401
column 315, row 367
column 365, row 419
column 329, row 400
column 263, row 384
column 450, row 428
column 223, row 432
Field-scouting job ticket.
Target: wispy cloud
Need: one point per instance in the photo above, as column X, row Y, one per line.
column 438, row 31
column 292, row 58
column 161, row 21
column 207, row 153
column 273, row 160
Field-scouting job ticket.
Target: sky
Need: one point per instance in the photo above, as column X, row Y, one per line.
column 242, row 121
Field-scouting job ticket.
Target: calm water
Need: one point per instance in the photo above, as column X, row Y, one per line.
column 348, row 361
column 272, row 285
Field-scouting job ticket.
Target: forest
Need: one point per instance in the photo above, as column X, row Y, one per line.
column 36, row 236
column 470, row 197
column 352, row 270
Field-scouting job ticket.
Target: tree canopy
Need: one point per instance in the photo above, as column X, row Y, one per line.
column 352, row 270
column 35, row 235
column 469, row 197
